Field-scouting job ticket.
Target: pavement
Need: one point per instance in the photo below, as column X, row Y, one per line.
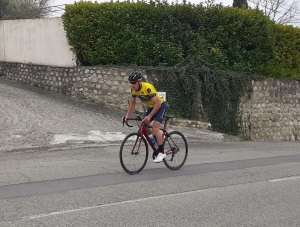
column 31, row 117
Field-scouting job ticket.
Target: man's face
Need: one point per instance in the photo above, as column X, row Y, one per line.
column 134, row 85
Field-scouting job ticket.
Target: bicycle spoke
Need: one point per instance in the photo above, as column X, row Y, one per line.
column 175, row 146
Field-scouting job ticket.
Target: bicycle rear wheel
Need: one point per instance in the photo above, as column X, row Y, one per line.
column 176, row 149
column 133, row 153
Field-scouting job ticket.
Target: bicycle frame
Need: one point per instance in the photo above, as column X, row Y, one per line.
column 143, row 132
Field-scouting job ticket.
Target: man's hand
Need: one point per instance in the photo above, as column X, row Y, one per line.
column 146, row 120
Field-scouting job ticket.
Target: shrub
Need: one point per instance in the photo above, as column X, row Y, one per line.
column 286, row 63
column 159, row 34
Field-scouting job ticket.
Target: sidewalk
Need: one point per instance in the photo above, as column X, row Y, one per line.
column 31, row 117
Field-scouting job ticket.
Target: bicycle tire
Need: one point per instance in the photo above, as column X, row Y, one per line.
column 176, row 148
column 133, row 159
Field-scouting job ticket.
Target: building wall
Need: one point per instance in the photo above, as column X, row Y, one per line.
column 35, row 41
column 2, row 50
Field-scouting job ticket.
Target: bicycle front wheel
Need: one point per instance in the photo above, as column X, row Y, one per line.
column 176, row 149
column 133, row 153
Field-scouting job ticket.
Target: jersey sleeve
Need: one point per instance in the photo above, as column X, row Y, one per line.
column 133, row 93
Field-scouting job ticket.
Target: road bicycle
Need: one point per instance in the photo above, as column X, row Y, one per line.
column 134, row 148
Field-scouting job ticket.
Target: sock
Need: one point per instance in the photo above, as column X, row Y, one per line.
column 161, row 149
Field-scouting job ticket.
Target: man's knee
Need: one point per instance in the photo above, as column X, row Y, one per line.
column 154, row 130
column 156, row 127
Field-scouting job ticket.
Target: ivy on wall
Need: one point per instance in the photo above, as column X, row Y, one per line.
column 182, row 90
column 201, row 92
column 221, row 94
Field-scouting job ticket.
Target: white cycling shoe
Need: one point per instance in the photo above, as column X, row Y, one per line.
column 159, row 157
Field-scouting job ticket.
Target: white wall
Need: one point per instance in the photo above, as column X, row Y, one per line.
column 2, row 55
column 36, row 41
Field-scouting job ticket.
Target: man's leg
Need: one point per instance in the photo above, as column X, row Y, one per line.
column 159, row 139
column 155, row 128
column 148, row 130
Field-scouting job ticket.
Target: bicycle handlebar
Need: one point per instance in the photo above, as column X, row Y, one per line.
column 138, row 118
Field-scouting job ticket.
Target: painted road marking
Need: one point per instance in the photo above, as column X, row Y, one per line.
column 54, row 213
column 93, row 135
column 286, row 178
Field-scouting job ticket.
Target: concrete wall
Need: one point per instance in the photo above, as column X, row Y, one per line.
column 36, row 41
column 271, row 113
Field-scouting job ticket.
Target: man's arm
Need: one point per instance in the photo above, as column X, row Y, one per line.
column 156, row 107
column 131, row 107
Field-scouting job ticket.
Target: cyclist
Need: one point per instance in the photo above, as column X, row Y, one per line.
column 156, row 108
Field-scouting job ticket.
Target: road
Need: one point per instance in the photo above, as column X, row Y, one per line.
column 222, row 184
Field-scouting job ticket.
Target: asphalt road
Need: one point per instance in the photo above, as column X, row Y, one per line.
column 222, row 184
column 59, row 166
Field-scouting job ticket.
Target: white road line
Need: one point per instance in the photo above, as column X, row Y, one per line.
column 43, row 215
column 286, row 178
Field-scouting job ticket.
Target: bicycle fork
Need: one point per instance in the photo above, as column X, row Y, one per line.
column 173, row 149
column 136, row 147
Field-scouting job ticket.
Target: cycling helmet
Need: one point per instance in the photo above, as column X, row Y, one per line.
column 135, row 76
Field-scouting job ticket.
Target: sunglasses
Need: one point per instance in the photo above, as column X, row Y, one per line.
column 133, row 82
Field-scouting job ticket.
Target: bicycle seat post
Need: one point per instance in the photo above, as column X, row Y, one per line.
column 166, row 122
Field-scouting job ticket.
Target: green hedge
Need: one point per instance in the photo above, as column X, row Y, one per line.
column 286, row 63
column 238, row 39
column 159, row 34
column 125, row 33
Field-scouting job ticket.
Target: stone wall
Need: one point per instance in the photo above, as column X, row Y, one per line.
column 271, row 113
column 108, row 86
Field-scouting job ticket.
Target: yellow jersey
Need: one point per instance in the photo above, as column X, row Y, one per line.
column 146, row 93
